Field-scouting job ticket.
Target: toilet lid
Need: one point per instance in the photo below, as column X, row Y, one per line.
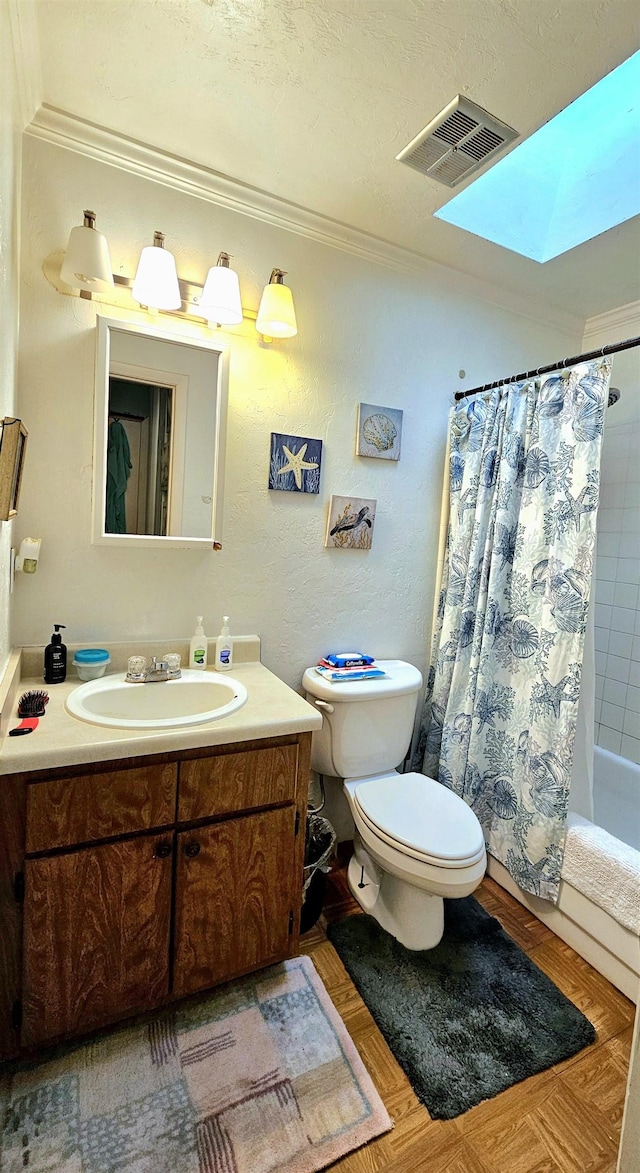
column 423, row 815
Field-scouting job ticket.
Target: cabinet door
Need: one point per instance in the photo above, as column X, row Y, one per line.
column 235, row 897
column 96, row 936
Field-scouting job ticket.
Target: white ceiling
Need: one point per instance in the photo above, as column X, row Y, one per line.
column 311, row 100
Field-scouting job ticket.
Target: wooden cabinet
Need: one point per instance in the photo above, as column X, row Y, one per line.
column 130, row 886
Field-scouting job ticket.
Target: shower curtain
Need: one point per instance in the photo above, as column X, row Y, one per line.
column 581, row 788
column 499, row 718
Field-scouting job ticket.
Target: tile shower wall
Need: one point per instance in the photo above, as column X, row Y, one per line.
column 617, row 605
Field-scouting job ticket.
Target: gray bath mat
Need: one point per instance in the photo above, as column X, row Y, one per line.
column 464, row 1020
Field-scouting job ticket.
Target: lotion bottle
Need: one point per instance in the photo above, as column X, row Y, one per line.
column 224, row 647
column 55, row 658
column 198, row 647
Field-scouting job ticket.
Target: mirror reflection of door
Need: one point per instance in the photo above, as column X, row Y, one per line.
column 139, row 458
column 163, row 399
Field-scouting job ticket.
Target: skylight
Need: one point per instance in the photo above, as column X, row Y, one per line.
column 572, row 179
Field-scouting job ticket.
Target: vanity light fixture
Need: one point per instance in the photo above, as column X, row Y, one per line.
column 276, row 315
column 220, row 302
column 86, row 271
column 87, row 264
column 155, row 284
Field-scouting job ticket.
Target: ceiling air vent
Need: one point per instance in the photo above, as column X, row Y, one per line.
column 459, row 140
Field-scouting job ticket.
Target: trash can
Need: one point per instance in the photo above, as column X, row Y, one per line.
column 319, row 844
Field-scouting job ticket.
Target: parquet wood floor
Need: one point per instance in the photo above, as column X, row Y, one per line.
column 565, row 1120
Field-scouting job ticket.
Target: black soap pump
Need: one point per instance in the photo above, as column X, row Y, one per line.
column 55, row 658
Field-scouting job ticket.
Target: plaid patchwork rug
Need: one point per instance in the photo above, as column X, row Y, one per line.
column 259, row 1077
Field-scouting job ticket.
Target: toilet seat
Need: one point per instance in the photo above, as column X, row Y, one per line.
column 430, row 876
column 421, row 818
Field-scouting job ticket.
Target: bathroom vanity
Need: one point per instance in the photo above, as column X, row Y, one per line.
column 143, row 874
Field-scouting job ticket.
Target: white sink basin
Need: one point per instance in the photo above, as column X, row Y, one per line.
column 191, row 700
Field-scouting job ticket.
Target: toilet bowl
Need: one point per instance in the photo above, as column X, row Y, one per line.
column 416, row 841
column 417, row 844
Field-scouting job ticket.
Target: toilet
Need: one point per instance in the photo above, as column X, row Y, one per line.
column 416, row 841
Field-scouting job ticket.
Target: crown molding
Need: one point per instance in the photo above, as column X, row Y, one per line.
column 137, row 158
column 614, row 325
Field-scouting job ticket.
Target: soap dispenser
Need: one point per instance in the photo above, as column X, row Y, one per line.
column 55, row 658
column 198, row 647
column 224, row 647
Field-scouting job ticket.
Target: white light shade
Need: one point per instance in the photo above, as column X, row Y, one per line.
column 156, row 281
column 87, row 264
column 220, row 302
column 276, row 316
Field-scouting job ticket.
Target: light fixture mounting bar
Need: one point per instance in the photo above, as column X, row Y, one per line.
column 120, row 295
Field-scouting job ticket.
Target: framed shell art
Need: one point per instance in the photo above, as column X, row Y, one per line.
column 294, row 465
column 350, row 523
column 379, row 431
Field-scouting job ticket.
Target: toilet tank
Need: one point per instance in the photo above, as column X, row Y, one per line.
column 366, row 724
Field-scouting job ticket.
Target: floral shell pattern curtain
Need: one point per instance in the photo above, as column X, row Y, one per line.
column 500, row 713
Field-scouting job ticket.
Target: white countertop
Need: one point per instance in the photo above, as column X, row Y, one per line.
column 272, row 710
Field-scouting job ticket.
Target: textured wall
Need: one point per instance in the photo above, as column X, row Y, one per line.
column 14, row 111
column 365, row 333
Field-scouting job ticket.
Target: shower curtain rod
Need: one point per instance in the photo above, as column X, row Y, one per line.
column 554, row 366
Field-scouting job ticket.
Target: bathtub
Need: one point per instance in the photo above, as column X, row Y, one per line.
column 592, row 930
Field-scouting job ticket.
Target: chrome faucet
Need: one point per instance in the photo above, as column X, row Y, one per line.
column 157, row 670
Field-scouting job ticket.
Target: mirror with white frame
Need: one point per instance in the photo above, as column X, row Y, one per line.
column 160, row 423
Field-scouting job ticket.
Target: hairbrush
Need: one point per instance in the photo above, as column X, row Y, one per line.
column 32, row 703
column 30, row 706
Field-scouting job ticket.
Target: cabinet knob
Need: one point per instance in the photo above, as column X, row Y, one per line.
column 163, row 850
column 192, row 849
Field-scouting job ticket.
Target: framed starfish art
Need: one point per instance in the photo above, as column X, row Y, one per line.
column 295, row 463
